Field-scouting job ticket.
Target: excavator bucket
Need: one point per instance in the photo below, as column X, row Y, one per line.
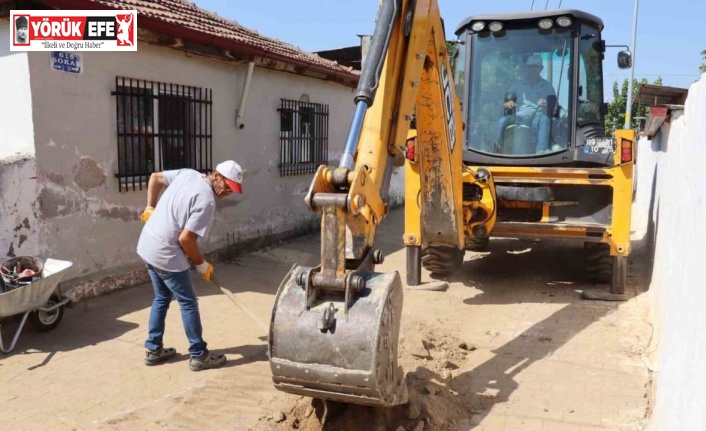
column 321, row 348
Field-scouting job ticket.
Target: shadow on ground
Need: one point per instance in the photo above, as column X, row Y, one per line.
column 100, row 319
column 512, row 272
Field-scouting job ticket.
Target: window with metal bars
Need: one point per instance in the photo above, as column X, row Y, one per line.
column 303, row 137
column 161, row 126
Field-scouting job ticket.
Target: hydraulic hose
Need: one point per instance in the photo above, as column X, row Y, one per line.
column 370, row 77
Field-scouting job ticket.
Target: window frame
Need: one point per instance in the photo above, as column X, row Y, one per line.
column 197, row 135
column 583, row 72
column 301, row 152
column 478, row 146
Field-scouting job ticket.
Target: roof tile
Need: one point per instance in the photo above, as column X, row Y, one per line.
column 188, row 15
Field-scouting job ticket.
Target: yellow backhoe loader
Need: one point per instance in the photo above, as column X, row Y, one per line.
column 508, row 143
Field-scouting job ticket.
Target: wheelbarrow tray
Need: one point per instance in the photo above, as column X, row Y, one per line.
column 35, row 294
column 32, row 297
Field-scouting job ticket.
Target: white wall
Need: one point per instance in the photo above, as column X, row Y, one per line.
column 18, row 191
column 75, row 136
column 16, row 133
column 678, row 285
column 70, row 197
column 17, row 164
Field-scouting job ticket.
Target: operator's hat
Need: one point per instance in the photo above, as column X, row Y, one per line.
column 233, row 174
column 21, row 22
column 534, row 60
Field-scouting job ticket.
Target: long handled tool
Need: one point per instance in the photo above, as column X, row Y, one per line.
column 240, row 305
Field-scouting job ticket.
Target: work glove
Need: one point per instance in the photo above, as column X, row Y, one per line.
column 205, row 269
column 146, row 214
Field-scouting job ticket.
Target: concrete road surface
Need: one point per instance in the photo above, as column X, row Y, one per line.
column 535, row 355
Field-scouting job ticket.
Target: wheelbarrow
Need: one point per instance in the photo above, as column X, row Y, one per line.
column 35, row 298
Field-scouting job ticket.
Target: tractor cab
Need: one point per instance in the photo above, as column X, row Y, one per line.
column 531, row 88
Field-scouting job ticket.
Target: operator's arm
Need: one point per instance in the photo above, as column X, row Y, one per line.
column 548, row 90
column 510, row 103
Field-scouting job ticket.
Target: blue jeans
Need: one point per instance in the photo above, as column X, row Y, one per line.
column 540, row 123
column 166, row 286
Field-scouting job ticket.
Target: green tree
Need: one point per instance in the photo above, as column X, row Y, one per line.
column 450, row 48
column 702, row 68
column 615, row 118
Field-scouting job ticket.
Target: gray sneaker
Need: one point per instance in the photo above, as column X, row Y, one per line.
column 154, row 357
column 206, row 361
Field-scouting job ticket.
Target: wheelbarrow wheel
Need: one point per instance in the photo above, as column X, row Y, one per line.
column 47, row 320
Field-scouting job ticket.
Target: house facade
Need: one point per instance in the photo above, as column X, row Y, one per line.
column 77, row 146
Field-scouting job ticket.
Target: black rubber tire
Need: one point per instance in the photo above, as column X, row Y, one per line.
column 598, row 262
column 441, row 261
column 48, row 324
column 477, row 244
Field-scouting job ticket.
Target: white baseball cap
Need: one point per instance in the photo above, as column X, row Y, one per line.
column 233, row 175
column 534, row 60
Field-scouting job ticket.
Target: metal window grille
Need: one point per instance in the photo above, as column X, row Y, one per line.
column 303, row 137
column 161, row 126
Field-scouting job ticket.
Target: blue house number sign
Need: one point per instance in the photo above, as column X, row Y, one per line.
column 66, row 62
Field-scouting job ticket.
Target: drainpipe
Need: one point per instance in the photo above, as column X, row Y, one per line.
column 240, row 112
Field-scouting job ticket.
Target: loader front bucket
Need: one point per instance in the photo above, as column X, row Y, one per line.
column 353, row 360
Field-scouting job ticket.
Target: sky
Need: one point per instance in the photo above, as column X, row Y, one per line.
column 670, row 33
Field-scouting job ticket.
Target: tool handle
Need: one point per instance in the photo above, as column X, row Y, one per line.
column 240, row 305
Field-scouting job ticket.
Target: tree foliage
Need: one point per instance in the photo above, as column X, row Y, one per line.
column 451, row 47
column 702, row 68
column 615, row 118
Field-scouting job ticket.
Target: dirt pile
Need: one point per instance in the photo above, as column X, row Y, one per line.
column 439, row 397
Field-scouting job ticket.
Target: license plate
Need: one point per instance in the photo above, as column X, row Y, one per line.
column 599, row 146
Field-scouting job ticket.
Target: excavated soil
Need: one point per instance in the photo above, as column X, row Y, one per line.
column 436, row 399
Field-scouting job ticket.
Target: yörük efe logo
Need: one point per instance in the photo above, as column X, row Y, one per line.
column 78, row 30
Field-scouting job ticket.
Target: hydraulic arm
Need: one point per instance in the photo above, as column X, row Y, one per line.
column 334, row 328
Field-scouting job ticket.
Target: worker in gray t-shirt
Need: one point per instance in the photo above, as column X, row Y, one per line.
column 167, row 244
column 530, row 103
